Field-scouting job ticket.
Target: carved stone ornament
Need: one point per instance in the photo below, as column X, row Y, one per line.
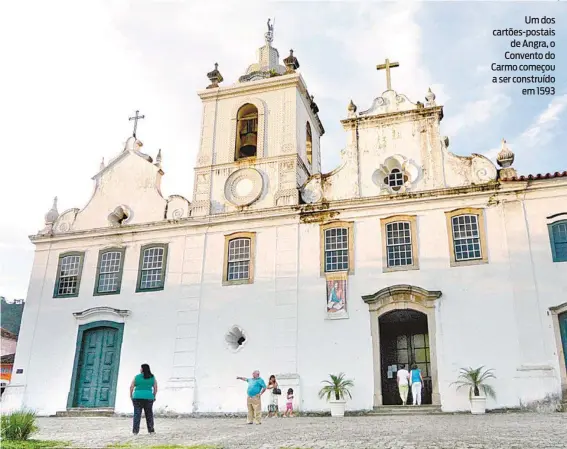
column 243, row 187
column 119, row 215
column 312, row 192
column 483, row 170
column 389, row 102
column 396, row 175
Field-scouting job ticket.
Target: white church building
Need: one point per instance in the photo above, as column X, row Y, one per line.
column 405, row 253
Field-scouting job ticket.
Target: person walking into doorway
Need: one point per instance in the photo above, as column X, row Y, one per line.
column 416, row 383
column 256, row 388
column 143, row 391
column 403, row 383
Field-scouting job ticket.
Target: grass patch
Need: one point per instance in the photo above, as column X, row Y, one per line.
column 32, row 444
column 19, row 425
column 119, row 445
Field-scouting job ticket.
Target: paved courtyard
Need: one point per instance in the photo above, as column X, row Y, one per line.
column 463, row 431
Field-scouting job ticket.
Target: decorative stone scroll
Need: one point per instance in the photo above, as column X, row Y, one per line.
column 336, row 295
column 312, row 191
column 482, row 170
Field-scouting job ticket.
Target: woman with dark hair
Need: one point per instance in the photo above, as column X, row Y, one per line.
column 143, row 391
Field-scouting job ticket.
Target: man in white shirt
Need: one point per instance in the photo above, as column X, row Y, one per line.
column 403, row 383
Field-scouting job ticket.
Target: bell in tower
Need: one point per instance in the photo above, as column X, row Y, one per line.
column 247, row 135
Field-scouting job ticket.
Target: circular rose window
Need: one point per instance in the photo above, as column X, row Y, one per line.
column 243, row 187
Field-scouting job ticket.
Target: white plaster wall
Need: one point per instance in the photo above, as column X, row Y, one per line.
column 180, row 330
column 132, row 181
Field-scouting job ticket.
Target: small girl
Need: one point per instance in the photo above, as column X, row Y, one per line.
column 289, row 403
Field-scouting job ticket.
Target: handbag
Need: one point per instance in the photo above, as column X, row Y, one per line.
column 276, row 391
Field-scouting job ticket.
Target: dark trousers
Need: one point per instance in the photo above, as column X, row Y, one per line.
column 145, row 405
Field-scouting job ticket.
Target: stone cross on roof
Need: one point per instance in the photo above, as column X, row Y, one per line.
column 388, row 65
column 136, row 118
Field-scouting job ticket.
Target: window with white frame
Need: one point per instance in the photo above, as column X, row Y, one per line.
column 109, row 271
column 152, row 267
column 466, row 237
column 336, row 249
column 69, row 275
column 399, row 244
column 238, row 259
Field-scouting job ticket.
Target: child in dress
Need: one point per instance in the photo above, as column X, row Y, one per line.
column 289, row 403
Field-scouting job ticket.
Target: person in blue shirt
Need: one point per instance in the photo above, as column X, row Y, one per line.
column 416, row 384
column 256, row 388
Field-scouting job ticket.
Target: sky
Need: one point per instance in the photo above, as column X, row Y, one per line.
column 73, row 72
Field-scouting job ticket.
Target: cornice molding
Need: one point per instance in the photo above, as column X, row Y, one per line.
column 252, row 87
column 103, row 310
column 411, row 114
column 295, row 212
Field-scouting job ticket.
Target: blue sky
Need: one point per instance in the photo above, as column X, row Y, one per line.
column 77, row 70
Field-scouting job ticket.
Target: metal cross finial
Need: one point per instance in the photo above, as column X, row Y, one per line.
column 388, row 65
column 136, row 118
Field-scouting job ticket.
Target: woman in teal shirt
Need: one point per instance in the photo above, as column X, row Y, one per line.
column 143, row 391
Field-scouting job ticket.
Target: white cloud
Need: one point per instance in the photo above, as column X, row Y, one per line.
column 541, row 131
column 491, row 102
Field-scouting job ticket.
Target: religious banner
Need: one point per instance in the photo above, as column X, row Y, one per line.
column 336, row 295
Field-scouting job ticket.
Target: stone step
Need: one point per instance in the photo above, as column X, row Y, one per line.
column 406, row 410
column 87, row 412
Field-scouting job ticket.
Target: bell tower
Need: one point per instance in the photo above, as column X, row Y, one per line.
column 260, row 137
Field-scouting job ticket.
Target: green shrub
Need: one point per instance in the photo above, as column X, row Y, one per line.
column 18, row 425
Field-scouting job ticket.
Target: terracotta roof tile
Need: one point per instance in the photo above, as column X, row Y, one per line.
column 537, row 176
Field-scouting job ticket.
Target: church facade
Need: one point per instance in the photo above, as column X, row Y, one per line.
column 406, row 253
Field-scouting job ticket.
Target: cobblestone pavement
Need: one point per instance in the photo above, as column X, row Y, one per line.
column 463, row 431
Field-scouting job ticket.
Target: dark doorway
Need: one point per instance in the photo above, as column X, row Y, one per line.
column 404, row 340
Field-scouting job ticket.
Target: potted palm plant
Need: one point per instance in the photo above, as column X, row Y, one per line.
column 335, row 391
column 475, row 380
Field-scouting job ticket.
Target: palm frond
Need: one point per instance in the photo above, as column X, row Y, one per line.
column 475, row 379
column 337, row 386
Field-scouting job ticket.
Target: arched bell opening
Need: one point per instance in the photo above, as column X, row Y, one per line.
column 309, row 143
column 247, row 132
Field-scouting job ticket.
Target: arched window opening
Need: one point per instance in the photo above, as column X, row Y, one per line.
column 247, row 132
column 309, row 144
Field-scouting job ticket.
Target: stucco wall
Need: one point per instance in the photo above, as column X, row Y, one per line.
column 483, row 317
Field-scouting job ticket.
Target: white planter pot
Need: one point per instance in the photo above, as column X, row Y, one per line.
column 478, row 405
column 338, row 408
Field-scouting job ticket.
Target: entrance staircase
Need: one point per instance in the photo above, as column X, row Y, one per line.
column 406, row 410
column 87, row 412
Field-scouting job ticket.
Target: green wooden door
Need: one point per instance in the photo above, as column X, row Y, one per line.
column 98, row 368
column 563, row 329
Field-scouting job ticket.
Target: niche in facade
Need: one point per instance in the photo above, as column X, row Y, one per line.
column 235, row 338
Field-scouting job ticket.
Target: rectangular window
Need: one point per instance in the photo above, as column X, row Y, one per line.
column 69, row 275
column 466, row 237
column 238, row 259
column 109, row 271
column 558, row 237
column 398, row 244
column 153, row 259
column 336, row 249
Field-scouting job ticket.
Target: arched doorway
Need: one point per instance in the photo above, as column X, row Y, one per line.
column 404, row 340
column 403, row 327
